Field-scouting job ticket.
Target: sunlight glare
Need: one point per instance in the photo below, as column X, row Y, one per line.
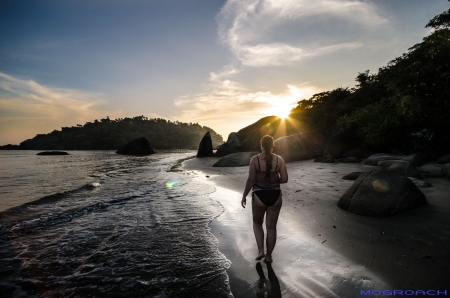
column 281, row 111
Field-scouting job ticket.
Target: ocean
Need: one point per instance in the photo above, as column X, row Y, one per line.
column 97, row 224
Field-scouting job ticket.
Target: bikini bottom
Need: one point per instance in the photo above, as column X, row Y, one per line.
column 268, row 197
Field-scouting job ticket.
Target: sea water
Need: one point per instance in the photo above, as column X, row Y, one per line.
column 94, row 224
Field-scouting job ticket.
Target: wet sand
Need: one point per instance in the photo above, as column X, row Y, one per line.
column 322, row 250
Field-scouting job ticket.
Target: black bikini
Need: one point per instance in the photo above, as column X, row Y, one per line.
column 267, row 190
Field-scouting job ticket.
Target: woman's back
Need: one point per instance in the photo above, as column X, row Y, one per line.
column 264, row 181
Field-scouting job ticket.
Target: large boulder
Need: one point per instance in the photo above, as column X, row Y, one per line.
column 239, row 159
column 139, row 146
column 340, row 140
column 445, row 170
column 400, row 167
column 205, row 149
column 300, row 146
column 357, row 152
column 374, row 159
column 350, row 160
column 232, row 145
column 381, row 193
column 444, row 159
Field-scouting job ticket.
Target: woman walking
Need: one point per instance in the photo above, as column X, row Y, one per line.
column 267, row 171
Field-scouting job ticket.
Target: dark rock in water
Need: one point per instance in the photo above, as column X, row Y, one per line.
column 325, row 158
column 350, row 160
column 445, row 170
column 300, row 146
column 420, row 183
column 381, row 193
column 358, row 152
column 53, row 153
column 205, row 148
column 444, row 159
column 374, row 159
column 341, row 139
column 139, row 146
column 400, row 167
column 239, row 159
column 352, row 176
column 232, row 145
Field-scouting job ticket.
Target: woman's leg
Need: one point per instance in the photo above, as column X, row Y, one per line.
column 258, row 211
column 271, row 227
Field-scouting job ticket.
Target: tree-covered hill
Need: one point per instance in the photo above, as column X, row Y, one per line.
column 109, row 134
column 406, row 103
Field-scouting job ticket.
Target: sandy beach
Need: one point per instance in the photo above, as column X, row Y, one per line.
column 322, row 250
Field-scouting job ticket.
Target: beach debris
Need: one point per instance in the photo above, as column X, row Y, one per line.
column 207, row 176
column 324, row 241
column 424, row 257
column 298, row 190
column 334, row 227
column 319, row 235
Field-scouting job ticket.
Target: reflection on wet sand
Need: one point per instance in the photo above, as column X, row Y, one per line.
column 267, row 287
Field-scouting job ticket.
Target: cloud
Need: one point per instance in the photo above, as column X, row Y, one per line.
column 28, row 108
column 250, row 28
column 228, row 106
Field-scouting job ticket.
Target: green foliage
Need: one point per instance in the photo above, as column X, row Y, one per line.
column 410, row 94
column 109, row 134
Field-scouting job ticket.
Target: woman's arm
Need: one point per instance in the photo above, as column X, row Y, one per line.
column 283, row 171
column 250, row 181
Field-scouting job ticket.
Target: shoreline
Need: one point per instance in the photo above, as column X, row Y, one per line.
column 325, row 251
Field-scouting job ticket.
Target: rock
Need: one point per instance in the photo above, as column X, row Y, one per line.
column 444, row 159
column 139, row 146
column 352, row 176
column 300, row 146
column 340, row 140
column 445, row 170
column 381, row 193
column 374, row 159
column 205, row 148
column 420, row 183
column 350, row 160
column 239, row 159
column 400, row 167
column 53, row 153
column 358, row 152
column 232, row 145
column 325, row 158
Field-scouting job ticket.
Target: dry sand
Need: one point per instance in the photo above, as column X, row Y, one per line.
column 322, row 250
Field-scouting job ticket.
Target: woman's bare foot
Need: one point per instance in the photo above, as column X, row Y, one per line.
column 267, row 258
column 260, row 256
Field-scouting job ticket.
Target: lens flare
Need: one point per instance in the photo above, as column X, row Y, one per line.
column 380, row 185
column 170, row 185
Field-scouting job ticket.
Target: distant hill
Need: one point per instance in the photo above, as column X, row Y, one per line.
column 109, row 134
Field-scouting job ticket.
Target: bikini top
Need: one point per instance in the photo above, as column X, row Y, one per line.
column 262, row 183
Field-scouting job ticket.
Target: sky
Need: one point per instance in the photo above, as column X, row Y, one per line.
column 222, row 64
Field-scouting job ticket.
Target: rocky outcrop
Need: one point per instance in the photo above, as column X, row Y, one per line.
column 239, row 159
column 325, row 159
column 400, row 167
column 205, row 148
column 340, row 140
column 444, row 159
column 232, row 145
column 53, row 153
column 445, row 170
column 139, row 146
column 374, row 159
column 352, row 176
column 300, row 146
column 381, row 193
column 358, row 152
column 350, row 160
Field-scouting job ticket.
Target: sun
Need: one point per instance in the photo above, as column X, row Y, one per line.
column 281, row 111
